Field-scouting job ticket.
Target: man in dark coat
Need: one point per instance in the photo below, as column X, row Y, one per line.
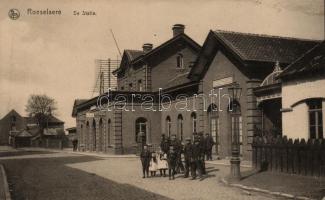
column 195, row 159
column 176, row 143
column 164, row 144
column 187, row 156
column 172, row 160
column 202, row 152
column 208, row 145
column 145, row 157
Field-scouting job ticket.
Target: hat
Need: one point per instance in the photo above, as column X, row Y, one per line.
column 188, row 139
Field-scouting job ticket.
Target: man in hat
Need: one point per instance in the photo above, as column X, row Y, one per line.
column 145, row 157
column 195, row 159
column 208, row 145
column 202, row 152
column 172, row 159
column 178, row 149
column 164, row 144
column 187, row 156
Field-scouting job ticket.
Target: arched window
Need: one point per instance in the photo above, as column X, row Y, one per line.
column 93, row 136
column 179, row 60
column 180, row 126
column 141, row 130
column 168, row 126
column 109, row 132
column 213, row 121
column 87, row 136
column 101, row 136
column 194, row 122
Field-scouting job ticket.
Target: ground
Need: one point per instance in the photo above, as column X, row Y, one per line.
column 70, row 176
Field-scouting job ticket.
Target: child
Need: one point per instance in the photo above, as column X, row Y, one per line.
column 145, row 159
column 153, row 164
column 172, row 159
column 162, row 163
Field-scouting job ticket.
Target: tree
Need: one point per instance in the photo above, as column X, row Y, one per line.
column 41, row 107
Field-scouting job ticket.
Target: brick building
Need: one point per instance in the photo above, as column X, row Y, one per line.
column 17, row 130
column 296, row 97
column 193, row 95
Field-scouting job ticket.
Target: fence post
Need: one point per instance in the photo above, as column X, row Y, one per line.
column 295, row 153
column 284, row 154
column 290, row 156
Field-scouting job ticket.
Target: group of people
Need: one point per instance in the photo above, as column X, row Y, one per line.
column 177, row 157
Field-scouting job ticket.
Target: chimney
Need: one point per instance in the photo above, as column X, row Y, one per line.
column 147, row 47
column 178, row 29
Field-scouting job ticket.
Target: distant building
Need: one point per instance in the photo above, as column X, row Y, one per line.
column 23, row 131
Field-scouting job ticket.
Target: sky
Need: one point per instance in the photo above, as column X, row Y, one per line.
column 55, row 55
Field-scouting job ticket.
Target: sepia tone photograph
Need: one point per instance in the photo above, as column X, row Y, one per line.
column 162, row 99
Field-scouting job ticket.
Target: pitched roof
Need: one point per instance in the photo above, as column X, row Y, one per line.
column 313, row 61
column 265, row 48
column 33, row 120
column 179, row 79
column 133, row 54
column 136, row 56
column 181, row 36
column 249, row 49
column 75, row 104
column 24, row 133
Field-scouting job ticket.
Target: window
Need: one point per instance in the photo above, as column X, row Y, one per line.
column 179, row 61
column 214, row 124
column 130, row 86
column 122, row 88
column 168, row 126
column 194, row 122
column 109, row 132
column 140, row 86
column 315, row 119
column 141, row 130
column 180, row 126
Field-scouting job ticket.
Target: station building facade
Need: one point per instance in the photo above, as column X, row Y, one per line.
column 192, row 83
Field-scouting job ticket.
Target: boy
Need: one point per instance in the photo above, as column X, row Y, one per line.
column 145, row 160
column 172, row 159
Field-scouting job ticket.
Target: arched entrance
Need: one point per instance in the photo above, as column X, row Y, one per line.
column 141, row 130
column 100, row 135
column 93, row 135
column 180, row 127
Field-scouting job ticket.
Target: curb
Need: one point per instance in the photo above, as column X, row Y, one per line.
column 225, row 164
column 254, row 189
column 5, row 183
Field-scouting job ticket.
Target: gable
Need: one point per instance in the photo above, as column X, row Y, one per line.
column 255, row 54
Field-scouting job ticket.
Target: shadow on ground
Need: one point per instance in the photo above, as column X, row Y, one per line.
column 22, row 153
column 49, row 178
column 312, row 187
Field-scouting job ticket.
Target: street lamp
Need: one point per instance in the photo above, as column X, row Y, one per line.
column 235, row 93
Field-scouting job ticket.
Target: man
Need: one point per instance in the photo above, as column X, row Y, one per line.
column 187, row 156
column 164, row 144
column 145, row 157
column 202, row 152
column 195, row 159
column 178, row 149
column 208, row 145
column 172, row 159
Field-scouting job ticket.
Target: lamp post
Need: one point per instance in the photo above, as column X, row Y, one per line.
column 235, row 93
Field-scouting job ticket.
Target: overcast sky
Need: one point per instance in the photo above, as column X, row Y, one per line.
column 55, row 55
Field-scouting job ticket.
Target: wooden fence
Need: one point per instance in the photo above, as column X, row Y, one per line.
column 289, row 156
